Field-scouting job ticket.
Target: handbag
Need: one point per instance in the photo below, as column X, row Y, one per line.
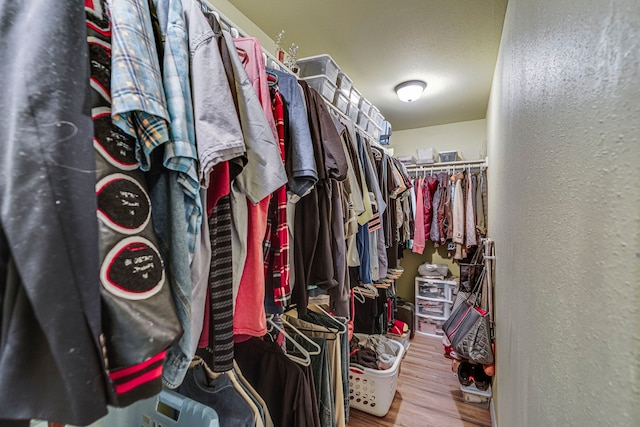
column 468, row 328
column 469, row 272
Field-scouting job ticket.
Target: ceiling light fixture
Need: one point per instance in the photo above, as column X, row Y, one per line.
column 411, row 90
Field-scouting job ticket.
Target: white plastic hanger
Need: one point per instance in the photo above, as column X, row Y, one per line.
column 304, row 337
column 306, row 359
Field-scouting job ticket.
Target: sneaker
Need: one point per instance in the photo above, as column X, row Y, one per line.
column 482, row 380
column 465, row 374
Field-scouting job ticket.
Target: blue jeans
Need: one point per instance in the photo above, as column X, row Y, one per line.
column 170, row 224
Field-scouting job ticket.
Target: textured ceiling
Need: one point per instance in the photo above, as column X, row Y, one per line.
column 452, row 45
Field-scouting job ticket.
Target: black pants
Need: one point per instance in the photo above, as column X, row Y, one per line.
column 50, row 362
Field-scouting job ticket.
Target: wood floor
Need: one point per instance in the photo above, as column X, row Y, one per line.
column 428, row 395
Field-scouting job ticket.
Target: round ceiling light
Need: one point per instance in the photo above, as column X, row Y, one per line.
column 411, row 90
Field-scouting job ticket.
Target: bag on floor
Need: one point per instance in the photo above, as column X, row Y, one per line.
column 406, row 313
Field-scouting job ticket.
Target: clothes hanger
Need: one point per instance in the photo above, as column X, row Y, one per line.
column 306, row 359
column 275, row 65
column 204, row 7
column 197, row 360
column 303, row 336
column 318, row 328
column 342, row 328
column 363, row 291
column 244, row 57
column 272, row 79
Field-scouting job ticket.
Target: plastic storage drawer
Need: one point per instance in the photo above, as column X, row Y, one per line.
column 433, row 308
column 319, row 65
column 433, row 290
column 341, row 101
column 372, row 128
column 344, row 83
column 322, row 85
column 431, row 326
column 168, row 409
column 365, row 106
column 376, row 117
column 353, row 112
column 363, row 120
column 355, row 98
column 448, row 156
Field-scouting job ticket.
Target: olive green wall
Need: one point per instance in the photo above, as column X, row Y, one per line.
column 405, row 284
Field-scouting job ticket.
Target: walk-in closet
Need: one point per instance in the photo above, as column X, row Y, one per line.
column 237, row 213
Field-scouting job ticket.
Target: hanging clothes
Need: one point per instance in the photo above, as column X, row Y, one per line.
column 220, row 260
column 481, row 225
column 429, row 190
column 349, row 196
column 443, row 208
column 217, row 334
column 314, row 256
column 133, row 281
column 339, row 294
column 458, row 215
column 321, row 317
column 180, row 153
column 419, row 234
column 250, row 193
column 43, row 286
column 217, row 392
column 250, row 52
column 331, row 336
column 276, row 240
column 281, row 383
column 437, row 215
column 470, row 237
column 381, row 165
column 301, row 168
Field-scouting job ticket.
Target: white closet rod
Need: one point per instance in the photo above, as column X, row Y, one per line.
column 462, row 164
column 372, row 140
column 235, row 31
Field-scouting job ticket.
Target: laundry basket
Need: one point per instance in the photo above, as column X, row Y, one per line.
column 371, row 390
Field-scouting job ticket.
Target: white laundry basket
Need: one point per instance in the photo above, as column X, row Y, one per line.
column 372, row 390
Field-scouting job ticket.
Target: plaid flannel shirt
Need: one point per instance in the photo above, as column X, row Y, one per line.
column 276, row 242
column 139, row 106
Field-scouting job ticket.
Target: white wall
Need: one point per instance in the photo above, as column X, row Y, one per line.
column 467, row 137
column 564, row 178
